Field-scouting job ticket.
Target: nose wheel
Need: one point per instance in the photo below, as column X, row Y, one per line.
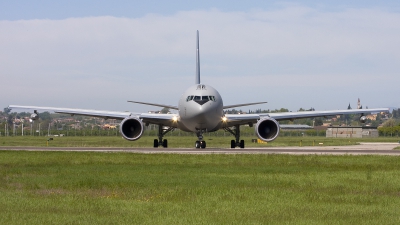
column 200, row 144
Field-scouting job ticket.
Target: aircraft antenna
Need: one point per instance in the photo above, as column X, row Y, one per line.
column 197, row 60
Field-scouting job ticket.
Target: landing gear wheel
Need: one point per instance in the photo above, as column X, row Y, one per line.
column 197, row 144
column 165, row 143
column 233, row 144
column 155, row 143
column 203, row 144
column 242, row 144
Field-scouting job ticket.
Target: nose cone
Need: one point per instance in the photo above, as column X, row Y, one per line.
column 202, row 101
column 205, row 116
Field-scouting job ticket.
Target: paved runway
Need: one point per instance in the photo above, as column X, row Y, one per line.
column 361, row 149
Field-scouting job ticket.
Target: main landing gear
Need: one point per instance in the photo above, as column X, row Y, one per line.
column 200, row 143
column 161, row 132
column 236, row 132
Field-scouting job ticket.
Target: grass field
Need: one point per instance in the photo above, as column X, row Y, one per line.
column 180, row 142
column 126, row 188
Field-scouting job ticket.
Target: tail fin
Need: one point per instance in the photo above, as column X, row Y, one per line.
column 197, row 60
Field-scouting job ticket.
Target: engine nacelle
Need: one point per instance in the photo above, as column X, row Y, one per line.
column 131, row 128
column 267, row 129
column 34, row 116
column 363, row 119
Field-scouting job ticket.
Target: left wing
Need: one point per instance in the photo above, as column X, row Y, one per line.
column 311, row 114
column 161, row 119
column 242, row 119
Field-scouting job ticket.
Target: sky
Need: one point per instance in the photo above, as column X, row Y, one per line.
column 292, row 54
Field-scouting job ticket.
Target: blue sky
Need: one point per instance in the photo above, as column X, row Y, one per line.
column 99, row 54
column 61, row 9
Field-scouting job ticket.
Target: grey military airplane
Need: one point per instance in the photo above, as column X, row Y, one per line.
column 200, row 110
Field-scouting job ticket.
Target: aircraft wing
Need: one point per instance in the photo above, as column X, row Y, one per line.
column 311, row 114
column 242, row 119
column 164, row 119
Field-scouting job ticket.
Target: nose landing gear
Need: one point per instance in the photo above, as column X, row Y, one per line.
column 200, row 143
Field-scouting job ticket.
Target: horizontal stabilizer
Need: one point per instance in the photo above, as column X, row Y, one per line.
column 245, row 104
column 153, row 104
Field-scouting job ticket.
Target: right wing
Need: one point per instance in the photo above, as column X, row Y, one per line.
column 153, row 118
column 81, row 112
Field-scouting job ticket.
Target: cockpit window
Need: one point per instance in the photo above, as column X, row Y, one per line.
column 189, row 98
column 205, row 98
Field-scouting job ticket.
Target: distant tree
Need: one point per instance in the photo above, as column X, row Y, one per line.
column 45, row 116
column 374, row 123
column 318, row 122
column 389, row 123
column 6, row 110
column 349, row 107
column 396, row 113
column 283, row 110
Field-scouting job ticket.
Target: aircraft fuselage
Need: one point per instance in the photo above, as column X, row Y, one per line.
column 200, row 108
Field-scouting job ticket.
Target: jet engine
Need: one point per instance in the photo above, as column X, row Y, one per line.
column 363, row 119
column 34, row 116
column 267, row 129
column 131, row 128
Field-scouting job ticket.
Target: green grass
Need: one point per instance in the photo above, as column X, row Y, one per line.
column 125, row 188
column 180, row 142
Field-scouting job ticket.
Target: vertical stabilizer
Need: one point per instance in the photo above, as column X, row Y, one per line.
column 197, row 60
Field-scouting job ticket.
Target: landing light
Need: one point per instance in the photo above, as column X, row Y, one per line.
column 174, row 118
column 224, row 119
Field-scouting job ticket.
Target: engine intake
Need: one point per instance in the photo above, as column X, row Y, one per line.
column 131, row 128
column 363, row 119
column 267, row 129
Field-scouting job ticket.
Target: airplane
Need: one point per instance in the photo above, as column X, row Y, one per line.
column 200, row 110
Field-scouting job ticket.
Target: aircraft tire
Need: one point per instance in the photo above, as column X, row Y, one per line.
column 242, row 144
column 197, row 144
column 165, row 143
column 155, row 145
column 233, row 144
column 203, row 144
